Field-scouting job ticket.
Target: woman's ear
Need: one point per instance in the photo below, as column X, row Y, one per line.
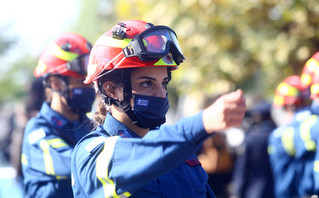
column 111, row 89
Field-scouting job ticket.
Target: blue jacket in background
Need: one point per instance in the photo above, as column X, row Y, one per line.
column 282, row 151
column 113, row 161
column 252, row 173
column 306, row 146
column 49, row 139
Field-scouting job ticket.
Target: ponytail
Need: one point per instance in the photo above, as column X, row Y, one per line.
column 100, row 114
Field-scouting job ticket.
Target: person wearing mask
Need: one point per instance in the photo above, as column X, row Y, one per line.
column 49, row 137
column 293, row 98
column 132, row 153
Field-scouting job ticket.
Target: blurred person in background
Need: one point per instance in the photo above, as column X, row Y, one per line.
column 306, row 139
column 252, row 174
column 10, row 144
column 217, row 159
column 51, row 135
column 293, row 100
column 131, row 153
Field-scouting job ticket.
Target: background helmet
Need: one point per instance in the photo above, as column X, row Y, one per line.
column 108, row 51
column 66, row 56
column 291, row 92
column 315, row 84
column 308, row 71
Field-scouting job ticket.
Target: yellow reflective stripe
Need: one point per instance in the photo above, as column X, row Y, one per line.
column 306, row 79
column 47, row 157
column 312, row 64
column 279, row 100
column 162, row 62
column 287, row 139
column 315, row 88
column 271, row 150
column 305, row 133
column 24, row 159
column 41, row 66
column 57, row 143
column 60, row 177
column 287, row 90
column 110, row 42
column 102, row 162
column 55, row 50
column 316, row 166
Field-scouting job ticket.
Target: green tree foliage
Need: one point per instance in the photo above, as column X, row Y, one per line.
column 16, row 79
column 229, row 44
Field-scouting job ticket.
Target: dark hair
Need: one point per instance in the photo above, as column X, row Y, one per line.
column 100, row 114
column 101, row 110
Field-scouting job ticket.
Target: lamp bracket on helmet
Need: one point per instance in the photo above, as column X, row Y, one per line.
column 119, row 32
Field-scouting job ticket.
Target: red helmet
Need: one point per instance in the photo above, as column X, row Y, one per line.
column 315, row 84
column 66, row 56
column 308, row 70
column 290, row 92
column 134, row 43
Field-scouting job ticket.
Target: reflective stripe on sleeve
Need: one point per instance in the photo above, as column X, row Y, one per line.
column 90, row 146
column 288, row 141
column 57, row 143
column 316, row 166
column 305, row 127
column 102, row 163
column 48, row 162
column 47, row 157
column 24, row 159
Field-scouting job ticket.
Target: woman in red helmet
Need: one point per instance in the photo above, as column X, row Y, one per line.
column 49, row 137
column 131, row 154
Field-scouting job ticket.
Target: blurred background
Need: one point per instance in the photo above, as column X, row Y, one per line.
column 228, row 44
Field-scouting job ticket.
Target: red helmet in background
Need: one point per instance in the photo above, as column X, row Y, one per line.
column 134, row 43
column 315, row 84
column 308, row 70
column 291, row 92
column 66, row 56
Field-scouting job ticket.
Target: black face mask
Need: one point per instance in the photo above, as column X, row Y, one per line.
column 150, row 111
column 81, row 100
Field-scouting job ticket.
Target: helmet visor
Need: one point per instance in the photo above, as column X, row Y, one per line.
column 155, row 43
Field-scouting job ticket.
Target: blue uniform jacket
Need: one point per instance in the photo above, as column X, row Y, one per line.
column 307, row 169
column 49, row 139
column 114, row 162
column 281, row 149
